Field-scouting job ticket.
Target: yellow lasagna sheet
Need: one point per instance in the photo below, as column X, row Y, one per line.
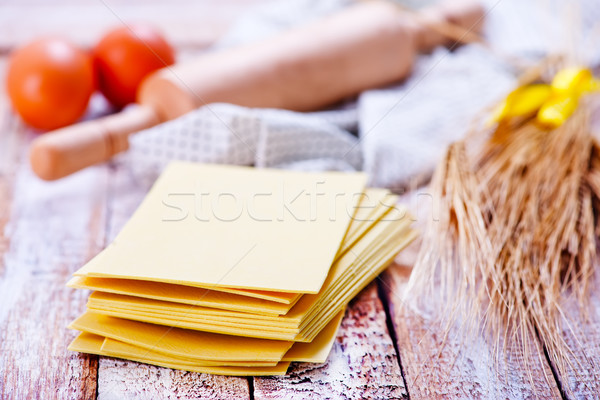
column 315, row 352
column 181, row 294
column 311, row 311
column 92, row 344
column 196, row 345
column 318, row 349
column 236, row 227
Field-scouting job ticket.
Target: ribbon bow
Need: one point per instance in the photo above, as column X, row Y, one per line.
column 553, row 103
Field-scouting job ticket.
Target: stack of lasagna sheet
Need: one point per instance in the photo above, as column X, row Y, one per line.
column 237, row 271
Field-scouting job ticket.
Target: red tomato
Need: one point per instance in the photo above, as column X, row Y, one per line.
column 125, row 56
column 50, row 82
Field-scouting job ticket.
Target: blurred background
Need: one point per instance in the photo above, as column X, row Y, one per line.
column 398, row 139
column 188, row 24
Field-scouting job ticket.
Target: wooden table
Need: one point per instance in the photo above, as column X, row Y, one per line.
column 48, row 230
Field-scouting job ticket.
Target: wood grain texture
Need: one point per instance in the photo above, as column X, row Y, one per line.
column 34, row 263
column 119, row 379
column 362, row 363
column 12, row 140
column 5, row 207
column 53, row 229
column 122, row 380
column 9, row 155
column 460, row 370
column 582, row 334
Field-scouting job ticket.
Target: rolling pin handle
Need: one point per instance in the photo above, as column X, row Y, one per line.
column 70, row 149
column 449, row 21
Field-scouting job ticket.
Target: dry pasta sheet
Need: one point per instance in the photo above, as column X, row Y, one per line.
column 237, row 271
column 238, row 227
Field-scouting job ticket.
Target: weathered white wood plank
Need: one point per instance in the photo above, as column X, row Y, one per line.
column 9, row 154
column 582, row 334
column 52, row 230
column 460, row 370
column 43, row 236
column 11, row 137
column 122, row 380
column 119, row 379
column 362, row 363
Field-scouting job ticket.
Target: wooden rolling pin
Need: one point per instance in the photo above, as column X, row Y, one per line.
column 368, row 45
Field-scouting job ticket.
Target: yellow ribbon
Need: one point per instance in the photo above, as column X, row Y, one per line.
column 553, row 104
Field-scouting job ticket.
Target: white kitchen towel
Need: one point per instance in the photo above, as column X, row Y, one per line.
column 396, row 134
column 229, row 134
